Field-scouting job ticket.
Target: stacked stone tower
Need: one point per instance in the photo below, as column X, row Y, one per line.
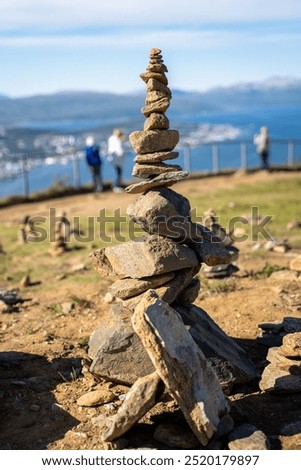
column 154, row 337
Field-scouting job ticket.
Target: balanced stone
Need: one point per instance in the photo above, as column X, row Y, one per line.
column 153, row 96
column 156, row 85
column 150, row 169
column 154, row 141
column 157, row 107
column 156, row 121
column 143, row 257
column 115, row 349
column 125, row 288
column 165, row 180
column 164, row 212
column 156, row 157
column 181, row 365
column 161, row 77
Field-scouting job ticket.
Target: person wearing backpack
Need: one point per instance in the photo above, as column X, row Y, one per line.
column 94, row 162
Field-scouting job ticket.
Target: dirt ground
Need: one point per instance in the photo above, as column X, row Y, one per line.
column 44, row 365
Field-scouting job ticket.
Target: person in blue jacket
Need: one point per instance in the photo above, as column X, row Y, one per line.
column 94, row 162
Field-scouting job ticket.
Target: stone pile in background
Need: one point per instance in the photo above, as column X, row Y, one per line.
column 222, row 270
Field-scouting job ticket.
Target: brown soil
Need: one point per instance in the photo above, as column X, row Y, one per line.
column 44, row 364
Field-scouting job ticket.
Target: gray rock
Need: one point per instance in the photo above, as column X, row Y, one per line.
column 156, row 121
column 295, row 264
column 282, row 375
column 116, row 350
column 188, row 295
column 291, row 324
column 96, row 397
column 139, row 400
column 166, row 179
column 126, row 288
column 143, row 257
column 209, row 249
column 248, row 437
column 181, row 365
column 291, row 345
column 231, row 363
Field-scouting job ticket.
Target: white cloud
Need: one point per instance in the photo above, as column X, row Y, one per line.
column 56, row 14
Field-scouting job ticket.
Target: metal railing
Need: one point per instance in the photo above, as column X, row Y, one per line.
column 209, row 158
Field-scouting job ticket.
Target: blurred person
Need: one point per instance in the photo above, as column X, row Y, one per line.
column 94, row 162
column 116, row 155
column 262, row 142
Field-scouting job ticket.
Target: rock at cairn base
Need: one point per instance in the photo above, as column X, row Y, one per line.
column 143, row 337
column 181, row 365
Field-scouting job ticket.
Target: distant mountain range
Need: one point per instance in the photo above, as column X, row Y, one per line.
column 93, row 109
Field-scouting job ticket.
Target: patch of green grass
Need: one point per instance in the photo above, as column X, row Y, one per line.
column 267, row 271
column 247, row 204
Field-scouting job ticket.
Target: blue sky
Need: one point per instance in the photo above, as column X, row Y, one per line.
column 53, row 45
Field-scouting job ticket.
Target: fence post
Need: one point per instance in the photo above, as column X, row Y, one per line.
column 187, row 157
column 243, row 155
column 290, row 154
column 25, row 176
column 76, row 174
column 215, row 158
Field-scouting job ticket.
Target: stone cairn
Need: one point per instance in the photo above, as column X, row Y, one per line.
column 153, row 338
column 221, row 270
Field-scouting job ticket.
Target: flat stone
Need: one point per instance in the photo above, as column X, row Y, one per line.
column 189, row 294
column 116, row 350
column 291, row 324
column 282, row 375
column 181, row 365
column 156, row 157
column 144, row 257
column 231, row 363
column 155, row 51
column 284, row 275
column 156, row 107
column 156, row 121
column 166, row 180
column 145, row 170
column 175, row 436
column 126, row 288
column 170, row 290
column 139, row 400
column 153, row 96
column 248, row 437
column 154, row 141
column 161, row 77
column 96, row 397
